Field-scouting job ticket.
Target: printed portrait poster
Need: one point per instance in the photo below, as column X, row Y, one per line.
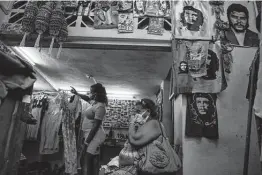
column 156, row 26
column 125, row 23
column 139, row 8
column 105, row 15
column 158, row 8
column 192, row 20
column 201, row 116
column 241, row 17
column 125, row 6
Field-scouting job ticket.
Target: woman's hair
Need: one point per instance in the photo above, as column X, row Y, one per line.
column 150, row 105
column 99, row 92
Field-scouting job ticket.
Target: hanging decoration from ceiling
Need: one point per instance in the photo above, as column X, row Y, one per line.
column 62, row 37
column 106, row 15
column 42, row 20
column 139, row 8
column 125, row 23
column 28, row 21
column 192, row 20
column 156, row 26
column 56, row 23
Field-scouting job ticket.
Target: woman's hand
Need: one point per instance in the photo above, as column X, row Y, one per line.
column 73, row 91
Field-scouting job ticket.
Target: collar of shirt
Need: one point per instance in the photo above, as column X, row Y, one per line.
column 240, row 37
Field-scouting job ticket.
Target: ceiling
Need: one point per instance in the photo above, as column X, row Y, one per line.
column 120, row 71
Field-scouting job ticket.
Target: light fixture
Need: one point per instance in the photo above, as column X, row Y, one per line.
column 23, row 55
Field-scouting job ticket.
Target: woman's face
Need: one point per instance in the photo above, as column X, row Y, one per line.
column 92, row 94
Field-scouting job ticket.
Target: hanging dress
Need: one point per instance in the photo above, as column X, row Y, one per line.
column 51, row 122
column 70, row 111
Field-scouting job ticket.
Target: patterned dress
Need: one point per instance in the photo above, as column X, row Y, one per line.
column 70, row 110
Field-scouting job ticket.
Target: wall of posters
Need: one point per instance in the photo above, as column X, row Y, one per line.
column 241, row 16
column 192, row 20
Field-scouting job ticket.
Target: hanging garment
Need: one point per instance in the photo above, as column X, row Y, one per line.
column 70, row 111
column 186, row 81
column 95, row 111
column 192, row 20
column 39, row 105
column 16, row 76
column 247, row 34
column 50, row 127
column 201, row 117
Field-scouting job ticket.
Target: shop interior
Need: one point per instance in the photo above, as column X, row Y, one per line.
column 146, row 60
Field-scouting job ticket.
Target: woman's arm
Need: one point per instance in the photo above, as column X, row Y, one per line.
column 93, row 131
column 100, row 112
column 84, row 97
column 145, row 134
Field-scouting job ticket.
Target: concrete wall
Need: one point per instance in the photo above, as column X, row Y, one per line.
column 167, row 111
column 226, row 156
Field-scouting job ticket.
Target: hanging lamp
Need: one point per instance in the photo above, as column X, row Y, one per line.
column 28, row 20
column 42, row 20
column 62, row 37
column 56, row 23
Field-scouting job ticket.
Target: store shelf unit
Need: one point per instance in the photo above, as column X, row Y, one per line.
column 82, row 34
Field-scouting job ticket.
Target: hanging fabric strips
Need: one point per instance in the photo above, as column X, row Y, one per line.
column 56, row 23
column 42, row 20
column 28, row 21
column 62, row 37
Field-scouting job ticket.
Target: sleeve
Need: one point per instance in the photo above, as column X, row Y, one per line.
column 100, row 112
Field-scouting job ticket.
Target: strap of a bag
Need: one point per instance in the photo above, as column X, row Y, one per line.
column 162, row 132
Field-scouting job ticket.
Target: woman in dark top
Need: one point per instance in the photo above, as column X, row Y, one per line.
column 92, row 128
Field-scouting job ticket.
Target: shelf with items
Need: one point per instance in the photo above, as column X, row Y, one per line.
column 81, row 31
